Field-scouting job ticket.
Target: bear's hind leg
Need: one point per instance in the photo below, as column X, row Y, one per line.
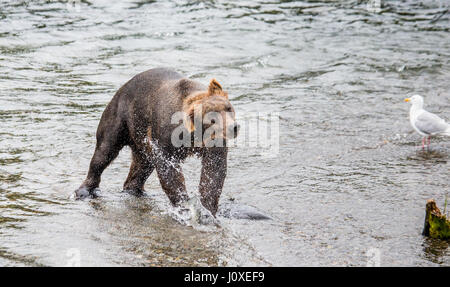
column 141, row 168
column 104, row 154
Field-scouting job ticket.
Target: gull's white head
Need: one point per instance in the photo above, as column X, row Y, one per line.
column 415, row 100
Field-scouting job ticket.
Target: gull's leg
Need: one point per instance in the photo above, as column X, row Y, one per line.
column 423, row 143
column 429, row 141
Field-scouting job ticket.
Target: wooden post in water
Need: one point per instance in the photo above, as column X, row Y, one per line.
column 436, row 224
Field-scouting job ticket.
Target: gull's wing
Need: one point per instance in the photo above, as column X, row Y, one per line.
column 430, row 124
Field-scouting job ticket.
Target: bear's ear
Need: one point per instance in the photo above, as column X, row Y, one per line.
column 214, row 88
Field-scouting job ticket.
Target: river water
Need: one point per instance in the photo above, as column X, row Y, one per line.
column 347, row 186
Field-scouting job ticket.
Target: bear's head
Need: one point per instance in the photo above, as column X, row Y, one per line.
column 212, row 112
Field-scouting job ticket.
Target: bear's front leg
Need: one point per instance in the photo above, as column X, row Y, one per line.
column 172, row 180
column 214, row 171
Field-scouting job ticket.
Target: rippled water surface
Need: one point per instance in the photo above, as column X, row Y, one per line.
column 349, row 180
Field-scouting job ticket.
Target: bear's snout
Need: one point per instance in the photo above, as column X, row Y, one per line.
column 232, row 130
column 236, row 129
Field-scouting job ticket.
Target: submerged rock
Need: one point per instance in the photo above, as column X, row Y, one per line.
column 240, row 211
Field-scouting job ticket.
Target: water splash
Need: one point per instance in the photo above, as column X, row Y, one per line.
column 193, row 213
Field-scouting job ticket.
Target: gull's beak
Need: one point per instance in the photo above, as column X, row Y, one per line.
column 407, row 99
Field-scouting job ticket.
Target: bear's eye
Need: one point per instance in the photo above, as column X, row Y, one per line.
column 229, row 109
column 213, row 121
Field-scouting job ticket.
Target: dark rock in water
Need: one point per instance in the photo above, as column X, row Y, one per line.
column 241, row 211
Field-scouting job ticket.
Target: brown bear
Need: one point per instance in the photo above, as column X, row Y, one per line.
column 140, row 116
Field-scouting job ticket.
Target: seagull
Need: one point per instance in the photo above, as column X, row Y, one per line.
column 426, row 123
